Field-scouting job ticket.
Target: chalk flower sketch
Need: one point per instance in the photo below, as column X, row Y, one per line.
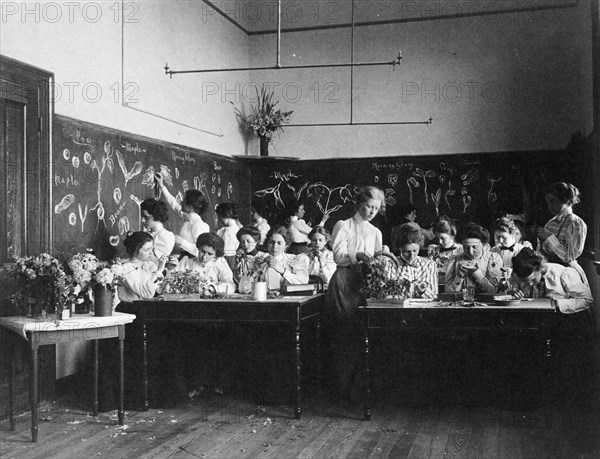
column 323, row 195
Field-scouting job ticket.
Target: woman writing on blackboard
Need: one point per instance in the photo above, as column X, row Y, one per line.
column 562, row 239
column 154, row 214
column 193, row 205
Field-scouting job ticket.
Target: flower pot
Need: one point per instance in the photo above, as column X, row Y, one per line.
column 34, row 308
column 103, row 300
column 264, row 146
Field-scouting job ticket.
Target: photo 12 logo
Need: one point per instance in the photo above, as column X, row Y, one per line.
column 289, row 91
column 92, row 92
column 70, row 12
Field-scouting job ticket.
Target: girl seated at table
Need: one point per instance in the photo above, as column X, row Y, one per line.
column 279, row 267
column 574, row 329
column 141, row 276
column 421, row 272
column 249, row 238
column 321, row 262
column 507, row 247
column 445, row 232
column 474, row 267
column 534, row 277
column 140, row 280
column 210, row 263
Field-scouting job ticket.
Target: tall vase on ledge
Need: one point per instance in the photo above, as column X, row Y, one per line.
column 264, row 146
column 103, row 299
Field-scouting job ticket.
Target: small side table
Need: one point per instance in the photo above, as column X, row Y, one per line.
column 42, row 332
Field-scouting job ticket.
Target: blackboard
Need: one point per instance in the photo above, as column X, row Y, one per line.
column 465, row 187
column 100, row 175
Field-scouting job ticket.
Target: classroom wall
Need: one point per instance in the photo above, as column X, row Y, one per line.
column 507, row 82
column 81, row 43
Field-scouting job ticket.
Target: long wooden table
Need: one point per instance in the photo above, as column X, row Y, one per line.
column 44, row 332
column 534, row 316
column 292, row 312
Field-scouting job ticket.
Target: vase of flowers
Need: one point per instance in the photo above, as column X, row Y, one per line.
column 104, row 284
column 265, row 118
column 40, row 285
column 380, row 279
column 80, row 268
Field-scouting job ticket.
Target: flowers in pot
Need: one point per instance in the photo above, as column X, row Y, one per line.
column 80, row 268
column 40, row 285
column 265, row 118
column 104, row 283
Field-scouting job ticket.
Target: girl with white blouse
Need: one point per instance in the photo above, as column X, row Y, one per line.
column 355, row 242
column 321, row 261
column 154, row 215
column 194, row 204
column 141, row 276
column 299, row 229
column 279, row 267
column 562, row 239
column 211, row 265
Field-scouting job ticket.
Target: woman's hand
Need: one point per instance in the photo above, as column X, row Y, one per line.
column 516, row 293
column 162, row 263
column 277, row 265
column 179, row 241
column 364, row 257
column 543, row 233
column 467, row 269
column 159, row 180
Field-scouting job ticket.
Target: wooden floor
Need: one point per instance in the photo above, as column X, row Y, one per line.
column 220, row 426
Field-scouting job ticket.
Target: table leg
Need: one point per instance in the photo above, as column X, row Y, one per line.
column 121, row 412
column 367, row 406
column 298, row 410
column 96, row 366
column 33, row 389
column 146, row 406
column 550, row 385
column 319, row 363
column 11, row 386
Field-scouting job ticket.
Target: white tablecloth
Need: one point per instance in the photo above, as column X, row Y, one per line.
column 22, row 325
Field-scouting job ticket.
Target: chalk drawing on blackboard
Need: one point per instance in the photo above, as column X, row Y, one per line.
column 411, row 181
column 376, row 179
column 66, row 154
column 82, row 215
column 87, row 158
column 393, row 179
column 322, row 192
column 219, row 192
column 100, row 212
column 424, row 175
column 449, row 192
column 445, row 168
column 298, row 193
column 176, row 172
column 466, row 199
column 123, row 225
column 470, row 176
column 64, row 203
column 138, row 202
column 72, row 219
column 213, row 189
column 492, row 195
column 389, row 198
column 75, row 162
column 117, row 195
column 135, row 170
column 274, row 191
column 436, row 198
column 229, row 190
column 185, row 187
column 114, row 240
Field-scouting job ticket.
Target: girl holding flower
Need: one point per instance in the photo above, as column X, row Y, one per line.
column 249, row 237
column 140, row 275
column 280, row 267
column 321, row 258
column 210, row 263
column 421, row 272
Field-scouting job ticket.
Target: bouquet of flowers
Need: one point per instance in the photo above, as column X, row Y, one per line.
column 380, row 279
column 39, row 281
column 179, row 282
column 265, row 119
column 108, row 274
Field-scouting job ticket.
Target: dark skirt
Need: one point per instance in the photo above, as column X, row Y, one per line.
column 343, row 296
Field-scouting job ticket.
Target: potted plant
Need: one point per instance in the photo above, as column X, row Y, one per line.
column 265, row 118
